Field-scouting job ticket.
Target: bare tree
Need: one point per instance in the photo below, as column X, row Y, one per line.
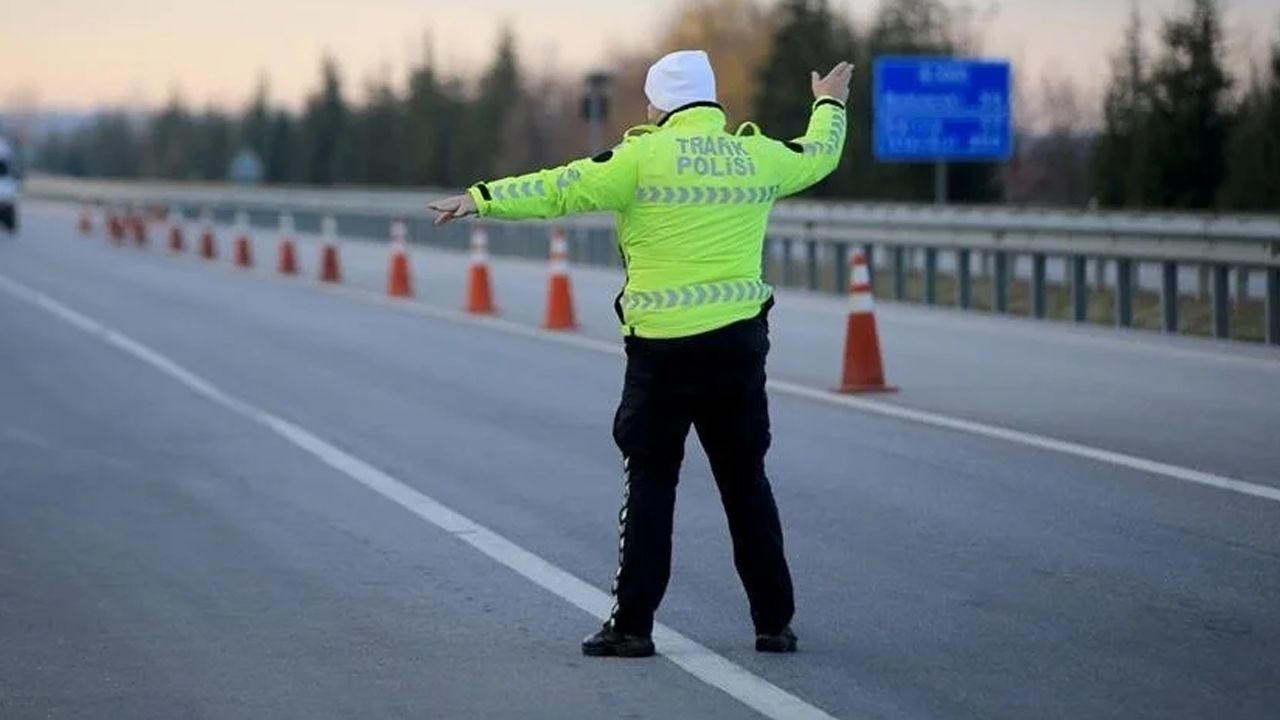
column 1052, row 166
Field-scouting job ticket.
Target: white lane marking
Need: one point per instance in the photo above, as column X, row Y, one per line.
column 923, row 417
column 995, row 432
column 697, row 660
column 1073, row 335
column 900, row 412
column 1065, row 447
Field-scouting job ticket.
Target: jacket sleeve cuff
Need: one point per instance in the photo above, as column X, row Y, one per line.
column 826, row 100
column 480, row 196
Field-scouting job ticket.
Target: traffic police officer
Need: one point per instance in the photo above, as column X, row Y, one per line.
column 692, row 203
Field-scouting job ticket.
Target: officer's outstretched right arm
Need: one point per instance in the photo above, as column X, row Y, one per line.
column 604, row 182
column 804, row 161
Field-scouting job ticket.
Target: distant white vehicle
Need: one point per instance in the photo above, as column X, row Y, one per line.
column 8, row 188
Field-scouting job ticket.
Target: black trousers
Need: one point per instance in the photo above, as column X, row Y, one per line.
column 716, row 383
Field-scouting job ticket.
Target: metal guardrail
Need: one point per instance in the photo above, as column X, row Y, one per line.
column 826, row 233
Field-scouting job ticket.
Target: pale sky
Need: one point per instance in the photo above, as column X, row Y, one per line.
column 80, row 54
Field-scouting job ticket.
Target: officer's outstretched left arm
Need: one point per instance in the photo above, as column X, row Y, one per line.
column 604, row 182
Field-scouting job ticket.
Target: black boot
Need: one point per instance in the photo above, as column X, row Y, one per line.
column 611, row 643
column 782, row 642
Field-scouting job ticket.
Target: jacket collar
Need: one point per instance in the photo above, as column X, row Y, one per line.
column 695, row 113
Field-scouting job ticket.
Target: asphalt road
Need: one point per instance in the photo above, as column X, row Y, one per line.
column 163, row 556
column 1192, row 401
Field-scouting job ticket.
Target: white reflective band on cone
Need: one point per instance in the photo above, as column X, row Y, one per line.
column 860, row 275
column 559, row 254
column 479, row 246
column 862, row 303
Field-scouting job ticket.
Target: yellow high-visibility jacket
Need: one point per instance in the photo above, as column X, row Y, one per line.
column 692, row 204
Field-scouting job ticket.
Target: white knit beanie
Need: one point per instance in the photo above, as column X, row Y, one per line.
column 680, row 78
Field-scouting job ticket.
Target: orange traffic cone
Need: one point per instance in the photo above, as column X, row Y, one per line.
column 330, row 268
column 86, row 220
column 175, row 234
column 479, row 289
column 286, row 253
column 399, row 284
column 138, row 223
column 244, row 246
column 863, row 369
column 208, row 241
column 115, row 225
column 559, row 291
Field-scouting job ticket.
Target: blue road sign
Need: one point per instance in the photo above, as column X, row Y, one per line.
column 942, row 109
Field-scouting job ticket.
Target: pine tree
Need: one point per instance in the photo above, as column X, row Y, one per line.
column 166, row 151
column 378, row 136
column 255, row 125
column 425, row 118
column 1189, row 115
column 1120, row 171
column 212, row 146
column 1253, row 150
column 111, row 148
column 487, row 117
column 914, row 27
column 283, row 164
column 808, row 37
column 325, row 130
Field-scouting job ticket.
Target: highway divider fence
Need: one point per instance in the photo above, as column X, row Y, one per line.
column 1170, row 272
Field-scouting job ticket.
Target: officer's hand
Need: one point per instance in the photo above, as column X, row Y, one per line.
column 453, row 208
column 835, row 84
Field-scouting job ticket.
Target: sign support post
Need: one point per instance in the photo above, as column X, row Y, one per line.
column 940, row 182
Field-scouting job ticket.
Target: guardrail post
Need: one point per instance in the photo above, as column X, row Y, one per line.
column 1039, row 292
column 1079, row 288
column 600, row 248
column 1124, row 292
column 842, row 267
column 1169, row 296
column 898, row 255
column 931, row 276
column 1242, row 284
column 811, row 254
column 1273, row 305
column 1000, row 284
column 1221, row 301
column 788, row 265
column 964, row 280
